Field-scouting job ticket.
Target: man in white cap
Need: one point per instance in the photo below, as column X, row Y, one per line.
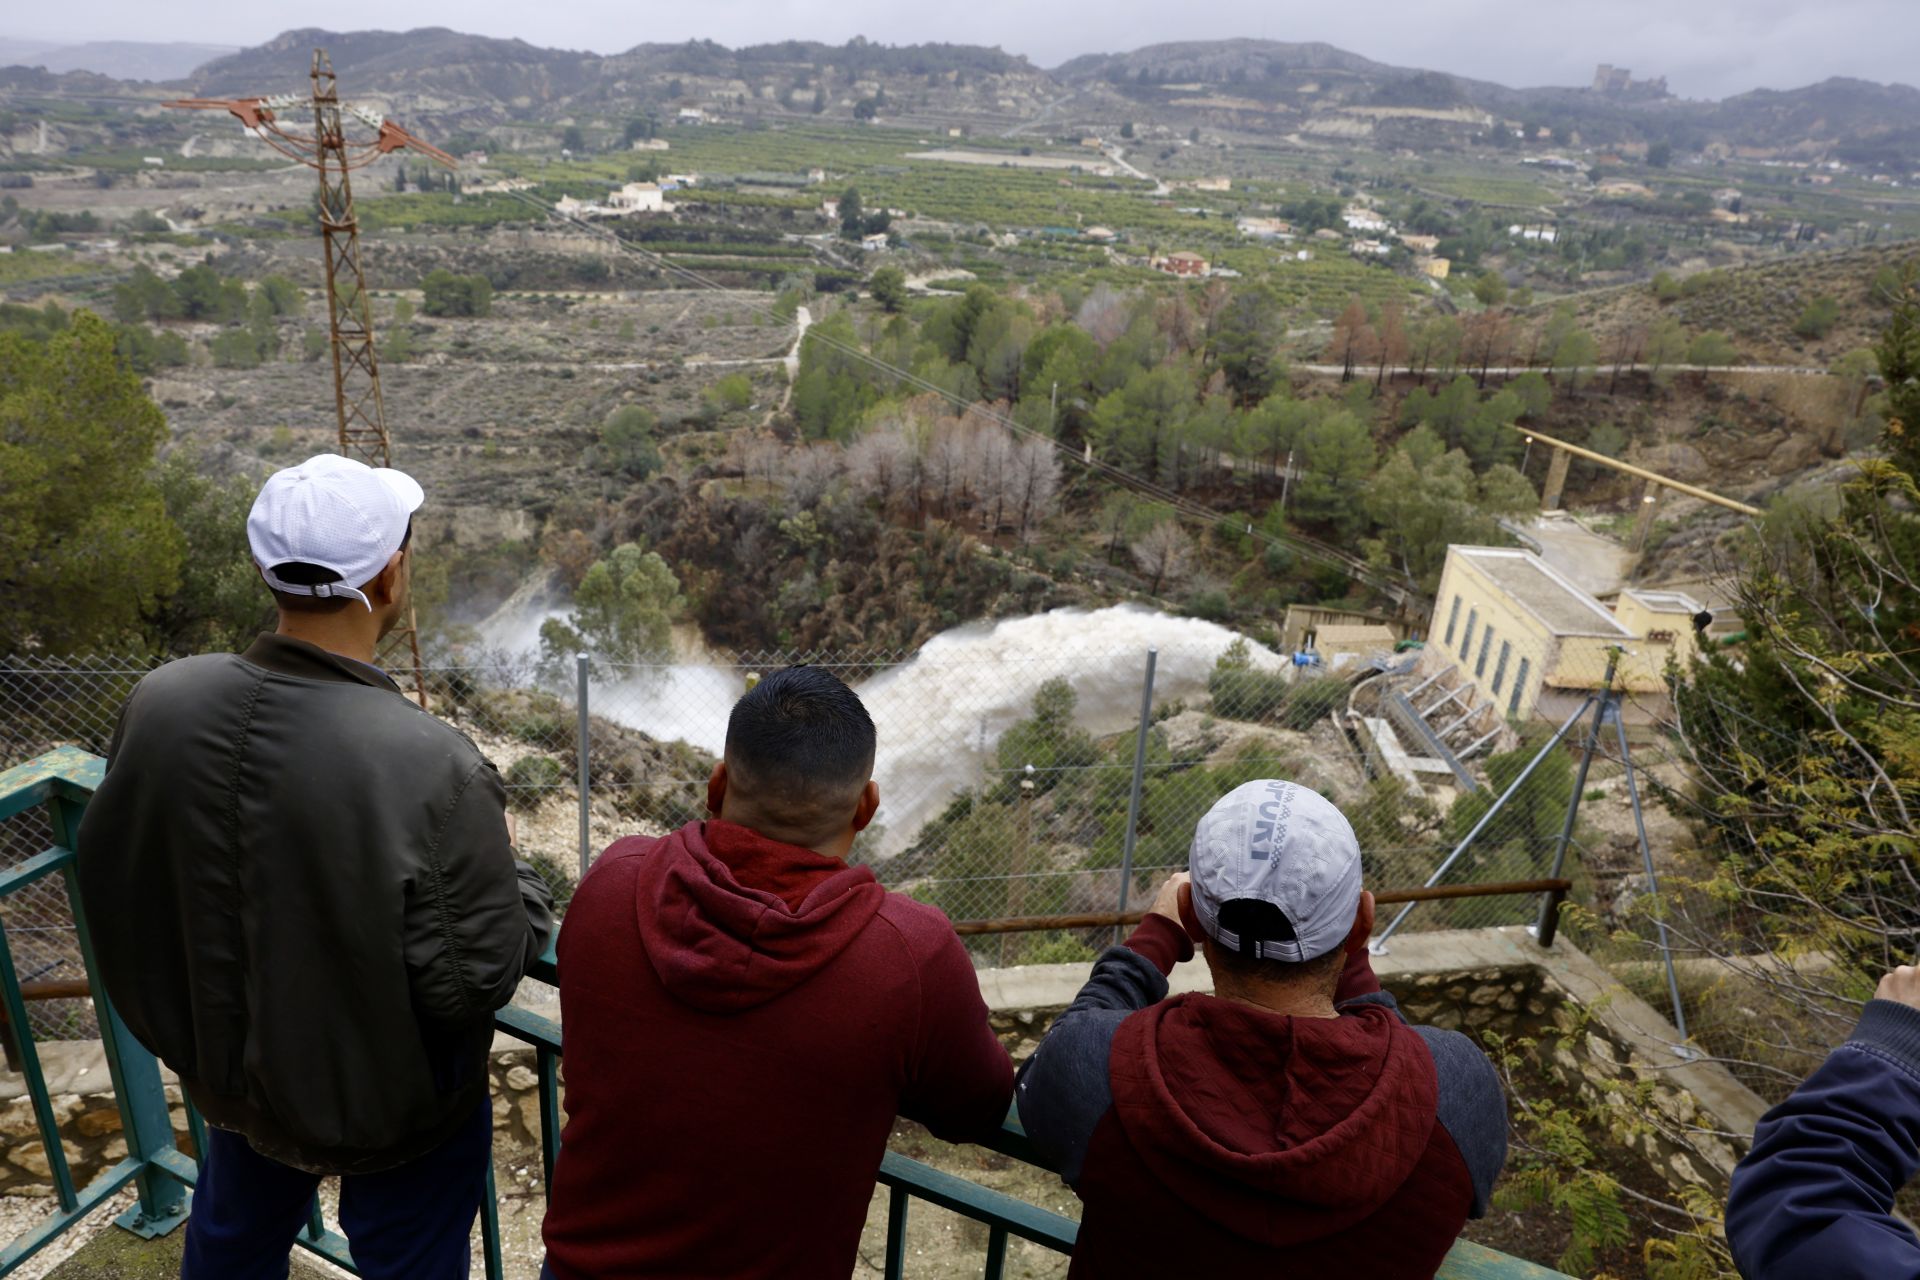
column 305, row 901
column 1291, row 1121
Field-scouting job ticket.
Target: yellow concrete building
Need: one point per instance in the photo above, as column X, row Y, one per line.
column 1531, row 642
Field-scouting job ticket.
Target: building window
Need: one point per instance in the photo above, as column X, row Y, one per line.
column 1519, row 683
column 1466, row 645
column 1500, row 667
column 1486, row 647
column 1453, row 618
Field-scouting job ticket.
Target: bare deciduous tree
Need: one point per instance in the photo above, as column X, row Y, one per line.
column 1162, row 552
column 1035, row 468
column 1105, row 314
column 808, row 472
column 880, row 464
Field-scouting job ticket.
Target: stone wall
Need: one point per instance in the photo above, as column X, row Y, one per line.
column 90, row 1133
column 1491, row 980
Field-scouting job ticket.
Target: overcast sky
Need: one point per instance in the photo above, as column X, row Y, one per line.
column 1706, row 48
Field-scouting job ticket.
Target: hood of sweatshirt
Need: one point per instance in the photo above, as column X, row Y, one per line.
column 1279, row 1129
column 721, row 945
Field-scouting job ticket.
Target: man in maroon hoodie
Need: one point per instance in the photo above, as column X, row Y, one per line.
column 1290, row 1120
column 745, row 1014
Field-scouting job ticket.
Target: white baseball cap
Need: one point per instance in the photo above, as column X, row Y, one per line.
column 335, row 513
column 1285, row 844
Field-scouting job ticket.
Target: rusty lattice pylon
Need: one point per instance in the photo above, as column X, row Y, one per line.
column 360, row 413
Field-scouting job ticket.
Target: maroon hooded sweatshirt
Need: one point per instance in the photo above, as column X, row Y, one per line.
column 743, row 1020
column 1202, row 1133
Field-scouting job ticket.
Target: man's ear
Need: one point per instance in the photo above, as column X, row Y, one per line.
column 868, row 806
column 1362, row 924
column 717, row 789
column 1189, row 918
column 385, row 587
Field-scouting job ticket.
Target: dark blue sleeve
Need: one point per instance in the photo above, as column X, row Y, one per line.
column 1473, row 1108
column 1814, row 1197
column 1063, row 1088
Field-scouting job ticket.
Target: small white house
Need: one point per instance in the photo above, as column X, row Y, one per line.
column 1264, row 228
column 638, row 197
column 875, row 242
column 691, row 115
column 1359, row 219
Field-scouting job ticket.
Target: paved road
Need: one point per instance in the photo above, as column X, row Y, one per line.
column 1591, row 371
column 1119, row 157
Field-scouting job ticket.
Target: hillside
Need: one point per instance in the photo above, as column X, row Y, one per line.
column 1760, row 305
column 119, row 59
column 1254, row 88
column 435, row 74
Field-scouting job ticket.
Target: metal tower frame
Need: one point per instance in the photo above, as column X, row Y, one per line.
column 359, row 410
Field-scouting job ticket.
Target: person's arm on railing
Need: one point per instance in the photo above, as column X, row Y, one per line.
column 1814, row 1197
column 962, row 1079
column 1063, row 1089
column 478, row 916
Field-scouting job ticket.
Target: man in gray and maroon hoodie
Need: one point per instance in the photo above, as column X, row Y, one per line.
column 1293, row 1118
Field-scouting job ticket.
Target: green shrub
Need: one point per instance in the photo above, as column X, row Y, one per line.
column 1819, row 317
column 559, row 880
column 1239, row 692
column 1312, row 700
column 529, row 777
column 539, row 728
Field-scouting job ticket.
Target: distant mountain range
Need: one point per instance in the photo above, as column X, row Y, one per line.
column 116, row 59
column 451, row 80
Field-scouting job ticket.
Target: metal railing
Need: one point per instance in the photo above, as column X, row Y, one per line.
column 61, row 782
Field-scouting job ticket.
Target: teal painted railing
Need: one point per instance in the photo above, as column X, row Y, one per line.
column 61, row 782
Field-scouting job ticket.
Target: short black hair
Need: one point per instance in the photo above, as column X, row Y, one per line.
column 300, row 573
column 1253, row 921
column 801, row 730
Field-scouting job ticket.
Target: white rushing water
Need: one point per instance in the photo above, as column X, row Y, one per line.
column 940, row 714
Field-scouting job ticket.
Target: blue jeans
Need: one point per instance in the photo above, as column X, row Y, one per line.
column 411, row 1222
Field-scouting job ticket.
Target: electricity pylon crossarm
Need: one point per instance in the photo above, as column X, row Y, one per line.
column 359, row 411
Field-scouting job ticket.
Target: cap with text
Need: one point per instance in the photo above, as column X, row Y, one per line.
column 1281, row 843
column 335, row 513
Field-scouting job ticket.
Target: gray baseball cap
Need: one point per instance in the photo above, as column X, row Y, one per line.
column 1278, row 842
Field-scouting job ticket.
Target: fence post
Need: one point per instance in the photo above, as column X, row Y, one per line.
column 586, row 795
column 1547, row 906
column 1139, row 778
column 1017, row 871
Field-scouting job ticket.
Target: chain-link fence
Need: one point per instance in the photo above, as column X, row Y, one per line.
column 43, row 704
column 1039, row 767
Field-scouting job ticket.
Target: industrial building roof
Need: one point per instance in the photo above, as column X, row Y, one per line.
column 1666, row 601
column 1544, row 593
